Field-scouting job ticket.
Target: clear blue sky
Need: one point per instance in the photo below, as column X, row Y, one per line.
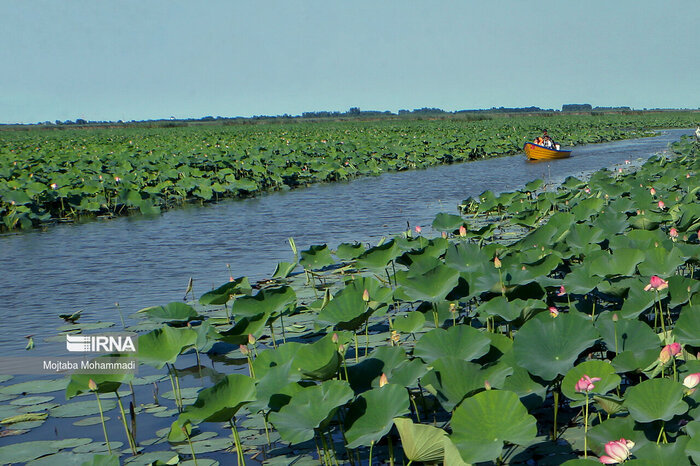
column 143, row 59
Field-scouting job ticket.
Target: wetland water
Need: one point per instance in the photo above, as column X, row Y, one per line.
column 147, row 261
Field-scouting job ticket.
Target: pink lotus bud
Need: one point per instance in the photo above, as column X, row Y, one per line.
column 365, row 296
column 687, row 175
column 383, row 380
column 587, row 191
column 652, row 191
column 662, row 206
column 673, row 233
column 92, row 385
column 619, row 170
column 616, row 451
column 675, row 348
column 444, row 235
column 614, row 317
column 562, row 291
column 418, row 229
column 692, row 380
column 251, row 339
column 669, row 351
column 656, row 283
column 341, row 349
column 117, row 179
column 553, row 311
column 244, row 349
column 585, row 383
column 334, row 338
column 497, row 262
column 487, row 385
column 395, row 337
column 462, row 231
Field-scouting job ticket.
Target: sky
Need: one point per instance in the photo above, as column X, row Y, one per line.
column 150, row 59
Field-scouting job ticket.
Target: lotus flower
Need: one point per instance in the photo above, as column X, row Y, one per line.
column 54, row 186
column 669, row 351
column 691, row 381
column 462, row 231
column 617, row 451
column 662, row 206
column 553, row 311
column 365, row 296
column 652, row 191
column 656, row 283
column 585, row 384
column 673, row 233
column 418, row 229
column 383, row 380
column 244, row 350
column 562, row 291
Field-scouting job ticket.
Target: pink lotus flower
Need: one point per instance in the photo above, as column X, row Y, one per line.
column 662, row 206
column 587, row 191
column 627, row 162
column 562, row 291
column 117, row 179
column 617, row 451
column 673, row 233
column 418, row 229
column 669, row 351
column 652, row 191
column 656, row 283
column 462, row 231
column 585, row 383
column 553, row 311
column 691, row 381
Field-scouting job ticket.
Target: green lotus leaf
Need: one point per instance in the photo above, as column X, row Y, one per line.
column 238, row 334
column 420, row 442
column 672, row 454
column 270, row 301
column 452, row 379
column 500, row 306
column 547, row 347
column 460, row 341
column 660, row 261
column 348, row 251
column 637, row 301
column 347, row 310
column 270, row 358
column 225, row 292
column 467, row 257
column 284, row 269
column 220, row 402
column 316, row 257
column 309, row 408
column 586, row 208
column 82, row 408
column 594, row 368
column 434, row 285
column 692, row 448
column 173, row 312
column 378, row 257
column 410, row 322
column 270, row 385
column 631, row 334
column 622, row 262
column 612, row 222
column 482, row 423
column 678, row 289
column 633, row 361
column 371, row 415
column 655, row 399
column 447, row 222
column 614, row 429
column 687, row 328
column 35, row 386
column 319, row 360
column 105, row 382
column 163, row 345
column 383, row 360
column 531, row 392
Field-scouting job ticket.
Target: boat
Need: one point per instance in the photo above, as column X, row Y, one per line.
column 537, row 152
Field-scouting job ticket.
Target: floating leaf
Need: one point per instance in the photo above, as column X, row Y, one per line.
column 370, row 416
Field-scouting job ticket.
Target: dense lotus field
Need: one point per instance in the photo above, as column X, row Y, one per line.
column 48, row 176
column 540, row 327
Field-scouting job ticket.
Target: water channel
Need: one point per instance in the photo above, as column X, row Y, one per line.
column 145, row 261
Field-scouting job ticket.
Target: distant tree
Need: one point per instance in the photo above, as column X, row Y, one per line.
column 576, row 108
column 354, row 111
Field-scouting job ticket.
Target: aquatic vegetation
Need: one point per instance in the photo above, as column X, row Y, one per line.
column 504, row 340
column 49, row 176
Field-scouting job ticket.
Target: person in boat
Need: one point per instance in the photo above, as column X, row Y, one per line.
column 538, row 140
column 697, row 133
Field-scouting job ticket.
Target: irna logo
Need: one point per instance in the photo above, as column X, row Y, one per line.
column 101, row 343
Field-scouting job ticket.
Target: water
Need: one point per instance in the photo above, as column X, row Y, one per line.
column 141, row 261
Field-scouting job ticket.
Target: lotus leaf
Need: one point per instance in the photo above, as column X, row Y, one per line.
column 482, row 423
column 687, row 329
column 370, row 416
column 316, row 257
column 163, row 345
column 222, row 401
column 225, row 292
column 655, row 399
column 421, row 442
column 594, row 368
column 348, row 310
column 460, row 341
column 319, row 360
column 270, row 301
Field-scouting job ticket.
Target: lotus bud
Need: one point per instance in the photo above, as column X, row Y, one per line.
column 383, row 380
column 487, row 385
column 673, row 233
column 619, row 170
column 615, row 318
column 244, row 349
column 444, row 235
column 627, row 162
column 691, row 381
column 395, row 337
column 687, row 175
column 616, row 451
column 453, row 308
column 365, row 296
column 230, row 279
column 334, row 338
column 418, row 229
column 251, row 339
column 587, row 191
column 662, row 205
column 92, row 385
column 656, row 283
column 675, row 348
column 463, row 231
column 497, row 262
column 665, row 355
column 553, row 311
column 585, row 383
column 523, row 268
column 562, row 291
column 341, row 349
column 652, row 191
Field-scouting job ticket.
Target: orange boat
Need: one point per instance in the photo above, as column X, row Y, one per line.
column 537, row 152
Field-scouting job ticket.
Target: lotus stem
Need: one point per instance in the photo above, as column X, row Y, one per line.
column 585, row 430
column 324, row 445
column 178, row 401
column 228, row 316
column 357, row 351
column 129, row 437
column 284, row 334
column 555, row 394
column 332, row 449
column 615, row 333
column 267, row 431
column 435, row 315
column 237, row 441
column 318, row 450
column 272, row 333
column 367, row 337
column 371, row 446
column 194, row 458
column 661, row 433
column 391, row 450
column 102, row 419
column 415, row 406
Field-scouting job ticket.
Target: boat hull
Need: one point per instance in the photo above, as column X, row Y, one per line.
column 537, row 152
